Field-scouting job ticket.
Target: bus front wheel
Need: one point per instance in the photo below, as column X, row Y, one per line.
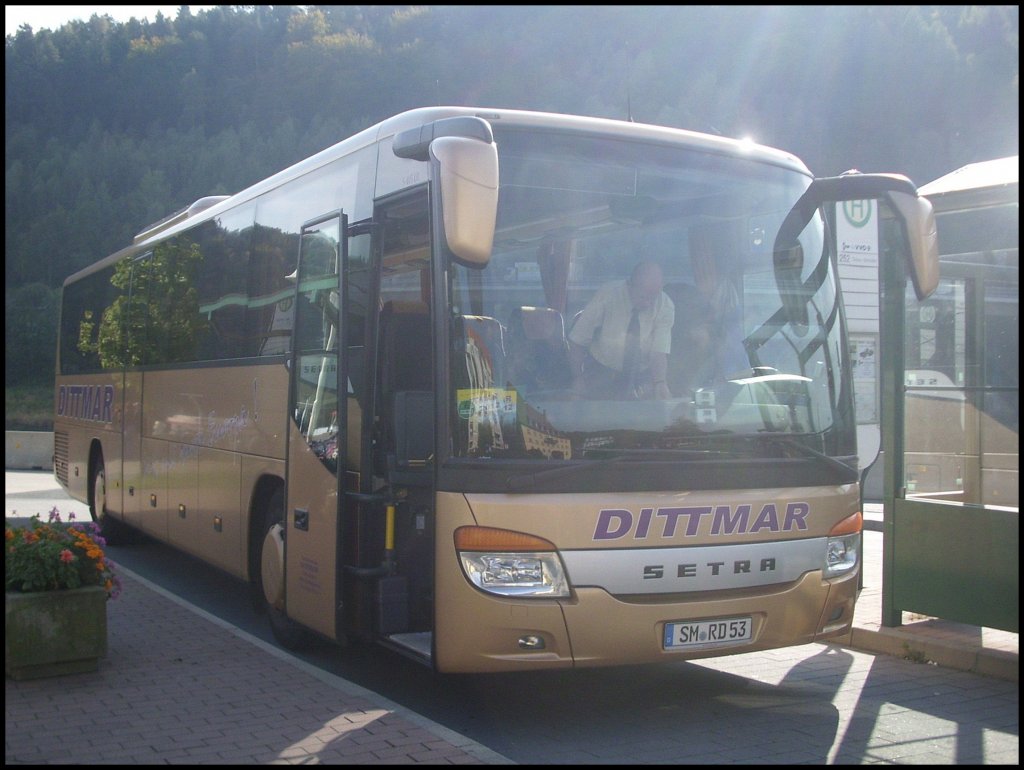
column 113, row 531
column 269, row 578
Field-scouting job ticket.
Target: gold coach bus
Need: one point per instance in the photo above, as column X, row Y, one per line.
column 356, row 385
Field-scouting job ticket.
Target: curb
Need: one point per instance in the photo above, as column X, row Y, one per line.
column 902, row 643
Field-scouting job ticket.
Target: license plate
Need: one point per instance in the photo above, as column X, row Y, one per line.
column 701, row 634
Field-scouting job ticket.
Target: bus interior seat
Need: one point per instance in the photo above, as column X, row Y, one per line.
column 538, row 349
column 407, row 390
column 414, row 437
column 405, row 353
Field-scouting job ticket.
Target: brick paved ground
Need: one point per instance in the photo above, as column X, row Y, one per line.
column 178, row 687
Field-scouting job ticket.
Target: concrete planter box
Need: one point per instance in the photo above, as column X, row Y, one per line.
column 49, row 633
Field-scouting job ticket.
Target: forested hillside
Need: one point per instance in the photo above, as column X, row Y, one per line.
column 111, row 126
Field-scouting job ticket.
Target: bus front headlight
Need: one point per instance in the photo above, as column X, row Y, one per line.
column 842, row 548
column 509, row 563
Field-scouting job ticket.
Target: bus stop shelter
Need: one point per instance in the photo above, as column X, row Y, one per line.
column 950, row 409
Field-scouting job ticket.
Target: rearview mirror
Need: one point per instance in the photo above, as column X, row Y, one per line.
column 468, row 173
column 465, row 165
column 923, row 240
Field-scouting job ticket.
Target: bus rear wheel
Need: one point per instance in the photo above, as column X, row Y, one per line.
column 268, row 579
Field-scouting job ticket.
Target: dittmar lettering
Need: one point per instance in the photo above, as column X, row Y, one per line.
column 617, row 523
column 86, row 402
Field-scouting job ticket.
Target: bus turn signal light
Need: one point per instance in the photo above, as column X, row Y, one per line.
column 851, row 525
column 492, row 539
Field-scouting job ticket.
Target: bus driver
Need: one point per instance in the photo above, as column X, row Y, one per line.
column 619, row 344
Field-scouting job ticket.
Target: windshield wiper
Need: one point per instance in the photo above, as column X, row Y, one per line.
column 790, row 441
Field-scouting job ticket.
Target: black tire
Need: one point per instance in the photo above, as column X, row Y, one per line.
column 112, row 530
column 270, row 598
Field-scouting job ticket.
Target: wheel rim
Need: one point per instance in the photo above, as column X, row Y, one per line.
column 272, row 567
column 99, row 495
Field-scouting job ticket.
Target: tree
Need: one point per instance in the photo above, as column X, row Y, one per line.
column 30, row 334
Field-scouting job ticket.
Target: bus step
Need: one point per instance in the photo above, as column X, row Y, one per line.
column 415, row 644
column 392, row 605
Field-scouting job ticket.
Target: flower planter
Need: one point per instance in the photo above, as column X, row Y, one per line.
column 49, row 633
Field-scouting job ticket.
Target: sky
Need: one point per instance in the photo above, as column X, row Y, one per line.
column 53, row 16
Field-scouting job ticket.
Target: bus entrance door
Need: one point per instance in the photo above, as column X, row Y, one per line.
column 310, row 587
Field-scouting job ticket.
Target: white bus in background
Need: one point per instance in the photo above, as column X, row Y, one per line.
column 963, row 344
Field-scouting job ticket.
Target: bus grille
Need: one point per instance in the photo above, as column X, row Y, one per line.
column 60, row 457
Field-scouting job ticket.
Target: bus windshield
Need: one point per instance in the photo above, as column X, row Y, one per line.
column 637, row 300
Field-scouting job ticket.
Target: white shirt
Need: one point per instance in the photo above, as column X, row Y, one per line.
column 608, row 315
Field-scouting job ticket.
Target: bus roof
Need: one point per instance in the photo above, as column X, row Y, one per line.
column 604, row 126
column 986, row 180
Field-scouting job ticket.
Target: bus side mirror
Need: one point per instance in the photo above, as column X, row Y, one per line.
column 468, row 174
column 922, row 234
column 465, row 163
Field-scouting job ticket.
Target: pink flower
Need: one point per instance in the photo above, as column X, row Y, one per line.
column 66, row 556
